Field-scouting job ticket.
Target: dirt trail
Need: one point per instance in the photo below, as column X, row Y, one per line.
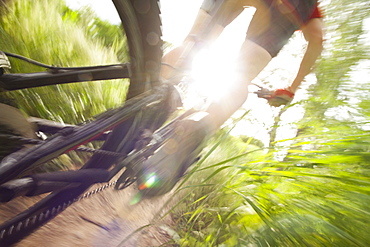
column 102, row 220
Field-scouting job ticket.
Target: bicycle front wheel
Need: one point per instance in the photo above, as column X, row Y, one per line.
column 144, row 41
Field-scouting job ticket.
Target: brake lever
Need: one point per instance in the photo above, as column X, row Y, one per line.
column 263, row 92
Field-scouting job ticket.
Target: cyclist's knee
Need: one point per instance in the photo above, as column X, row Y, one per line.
column 254, row 58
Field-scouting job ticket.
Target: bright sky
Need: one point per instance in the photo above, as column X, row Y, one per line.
column 177, row 18
column 177, row 15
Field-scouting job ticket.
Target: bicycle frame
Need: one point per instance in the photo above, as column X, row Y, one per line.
column 70, row 138
column 11, row 82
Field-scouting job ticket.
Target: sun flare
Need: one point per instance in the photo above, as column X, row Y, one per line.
column 212, row 75
column 214, row 68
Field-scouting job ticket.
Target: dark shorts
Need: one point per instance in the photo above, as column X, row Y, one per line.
column 223, row 11
column 284, row 21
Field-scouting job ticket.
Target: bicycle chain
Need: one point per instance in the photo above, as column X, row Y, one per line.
column 50, row 213
column 96, row 191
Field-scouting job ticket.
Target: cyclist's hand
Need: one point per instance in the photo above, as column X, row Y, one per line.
column 276, row 101
column 275, row 98
column 280, row 97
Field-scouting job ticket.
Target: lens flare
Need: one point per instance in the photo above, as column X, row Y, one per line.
column 136, row 199
column 150, row 182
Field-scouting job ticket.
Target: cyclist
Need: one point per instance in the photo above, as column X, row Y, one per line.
column 271, row 27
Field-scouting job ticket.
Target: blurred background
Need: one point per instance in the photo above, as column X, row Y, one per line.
column 294, row 176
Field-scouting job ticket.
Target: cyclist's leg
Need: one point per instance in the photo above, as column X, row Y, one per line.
column 253, row 58
column 212, row 18
column 254, row 55
column 269, row 31
column 249, row 68
column 168, row 162
column 219, row 14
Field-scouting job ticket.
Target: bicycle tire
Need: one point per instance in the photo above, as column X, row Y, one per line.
column 145, row 59
column 141, row 22
column 145, row 71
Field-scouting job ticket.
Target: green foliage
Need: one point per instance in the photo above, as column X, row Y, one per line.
column 237, row 194
column 206, row 199
column 59, row 36
column 103, row 32
column 344, row 50
column 318, row 194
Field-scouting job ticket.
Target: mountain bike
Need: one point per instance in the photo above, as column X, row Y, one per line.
column 140, row 142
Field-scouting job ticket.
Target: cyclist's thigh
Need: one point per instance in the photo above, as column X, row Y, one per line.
column 270, row 29
column 224, row 11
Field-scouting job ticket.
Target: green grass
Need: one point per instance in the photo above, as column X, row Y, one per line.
column 319, row 197
column 49, row 32
column 237, row 194
column 51, row 36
